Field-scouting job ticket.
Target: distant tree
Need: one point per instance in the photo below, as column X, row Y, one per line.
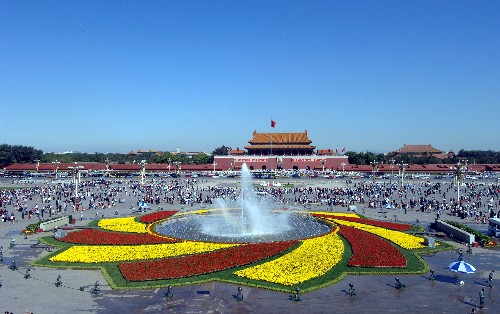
column 364, row 158
column 221, row 151
column 162, row 158
column 355, row 158
column 182, row 158
column 5, row 158
column 479, row 156
column 64, row 158
column 88, row 157
column 11, row 154
column 202, row 158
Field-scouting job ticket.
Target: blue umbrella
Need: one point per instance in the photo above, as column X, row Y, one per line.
column 462, row 267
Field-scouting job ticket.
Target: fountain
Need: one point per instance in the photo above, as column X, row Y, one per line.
column 250, row 218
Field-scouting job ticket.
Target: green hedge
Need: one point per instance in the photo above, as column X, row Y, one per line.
column 481, row 237
column 35, row 226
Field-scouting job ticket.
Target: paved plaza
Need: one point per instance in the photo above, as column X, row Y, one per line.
column 375, row 293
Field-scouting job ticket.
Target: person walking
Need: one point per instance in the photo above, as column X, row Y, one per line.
column 490, row 279
column 481, row 298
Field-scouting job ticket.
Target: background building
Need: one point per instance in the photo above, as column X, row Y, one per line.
column 421, row 151
column 270, row 151
column 280, row 144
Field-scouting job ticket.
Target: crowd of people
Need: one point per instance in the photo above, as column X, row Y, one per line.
column 478, row 201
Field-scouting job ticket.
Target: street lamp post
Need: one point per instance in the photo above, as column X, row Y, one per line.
column 214, row 164
column 169, row 162
column 56, row 163
column 343, row 168
column 143, row 171
column 107, row 166
column 76, row 178
column 374, row 169
column 460, row 169
column 402, row 168
column 177, row 165
column 37, row 164
column 392, row 169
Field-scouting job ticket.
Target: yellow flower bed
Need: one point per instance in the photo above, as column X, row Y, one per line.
column 127, row 224
column 105, row 254
column 406, row 241
column 335, row 214
column 194, row 212
column 313, row 258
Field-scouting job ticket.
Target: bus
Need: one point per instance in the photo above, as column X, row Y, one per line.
column 494, row 227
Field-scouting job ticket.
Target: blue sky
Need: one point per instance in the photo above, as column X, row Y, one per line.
column 115, row 76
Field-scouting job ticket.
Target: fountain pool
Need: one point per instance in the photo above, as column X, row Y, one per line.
column 248, row 218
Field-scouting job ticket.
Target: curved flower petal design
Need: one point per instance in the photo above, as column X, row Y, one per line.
column 106, row 254
column 204, row 263
column 98, row 237
column 406, row 241
column 127, row 224
column 334, row 215
column 370, row 250
column 383, row 224
column 312, row 259
column 133, row 252
column 149, row 218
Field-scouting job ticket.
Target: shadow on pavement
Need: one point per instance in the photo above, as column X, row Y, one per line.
column 445, row 278
column 480, row 283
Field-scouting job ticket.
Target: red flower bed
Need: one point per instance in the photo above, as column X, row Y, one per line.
column 193, row 265
column 383, row 224
column 93, row 236
column 149, row 218
column 491, row 244
column 370, row 250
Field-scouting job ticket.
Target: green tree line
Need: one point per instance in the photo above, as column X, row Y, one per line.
column 11, row 154
column 161, row 158
column 472, row 157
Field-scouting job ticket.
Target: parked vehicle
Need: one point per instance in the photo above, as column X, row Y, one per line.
column 494, row 227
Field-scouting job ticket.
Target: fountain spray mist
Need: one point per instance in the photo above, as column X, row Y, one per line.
column 251, row 217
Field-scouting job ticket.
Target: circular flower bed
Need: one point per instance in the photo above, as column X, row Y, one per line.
column 131, row 255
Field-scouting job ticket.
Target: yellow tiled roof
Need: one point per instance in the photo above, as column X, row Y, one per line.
column 279, row 146
column 418, row 149
column 280, row 138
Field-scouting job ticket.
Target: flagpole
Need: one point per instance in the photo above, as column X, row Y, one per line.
column 271, row 157
column 271, row 136
column 271, row 140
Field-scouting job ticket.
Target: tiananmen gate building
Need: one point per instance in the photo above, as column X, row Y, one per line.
column 291, row 150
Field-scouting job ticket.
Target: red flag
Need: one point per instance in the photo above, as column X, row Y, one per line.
column 343, row 150
column 273, row 123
